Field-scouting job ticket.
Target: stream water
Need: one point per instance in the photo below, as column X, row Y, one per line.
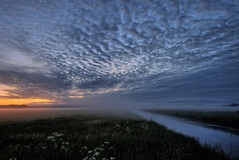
column 227, row 141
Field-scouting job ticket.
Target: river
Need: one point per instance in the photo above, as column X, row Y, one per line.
column 228, row 142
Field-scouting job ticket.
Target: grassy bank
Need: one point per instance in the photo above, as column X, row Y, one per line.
column 97, row 138
column 225, row 119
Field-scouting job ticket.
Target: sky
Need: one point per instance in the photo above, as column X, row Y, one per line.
column 108, row 52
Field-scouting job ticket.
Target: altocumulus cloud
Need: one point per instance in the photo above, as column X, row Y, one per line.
column 142, row 49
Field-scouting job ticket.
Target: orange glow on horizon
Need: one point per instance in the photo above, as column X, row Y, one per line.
column 6, row 94
column 24, row 101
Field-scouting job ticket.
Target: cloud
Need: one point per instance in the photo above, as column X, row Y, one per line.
column 145, row 47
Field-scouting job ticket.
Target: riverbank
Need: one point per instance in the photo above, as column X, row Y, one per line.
column 213, row 137
column 226, row 119
column 98, row 137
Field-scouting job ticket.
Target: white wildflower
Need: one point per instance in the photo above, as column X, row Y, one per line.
column 56, row 134
column 128, row 129
column 66, row 143
column 50, row 137
column 96, row 154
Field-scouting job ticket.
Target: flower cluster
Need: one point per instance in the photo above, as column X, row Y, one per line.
column 128, row 130
column 43, row 145
column 118, row 127
column 98, row 152
column 145, row 125
column 56, row 138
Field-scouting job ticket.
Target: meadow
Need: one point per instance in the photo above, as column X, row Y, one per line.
column 228, row 119
column 88, row 137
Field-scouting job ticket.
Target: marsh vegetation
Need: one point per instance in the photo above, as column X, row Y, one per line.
column 97, row 138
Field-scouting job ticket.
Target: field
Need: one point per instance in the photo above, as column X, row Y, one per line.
column 222, row 118
column 87, row 137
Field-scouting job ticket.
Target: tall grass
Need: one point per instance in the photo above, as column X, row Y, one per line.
column 97, row 138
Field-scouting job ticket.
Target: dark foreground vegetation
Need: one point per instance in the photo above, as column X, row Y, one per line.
column 222, row 118
column 98, row 138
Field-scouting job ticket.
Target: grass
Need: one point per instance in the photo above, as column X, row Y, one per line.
column 221, row 118
column 98, row 138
